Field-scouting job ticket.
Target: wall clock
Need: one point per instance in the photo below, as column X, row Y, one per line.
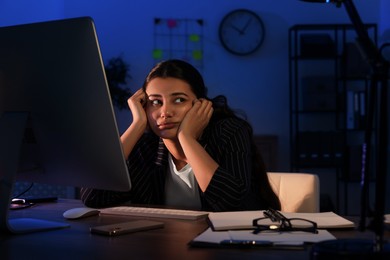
column 241, row 32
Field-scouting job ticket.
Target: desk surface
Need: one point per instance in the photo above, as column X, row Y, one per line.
column 170, row 242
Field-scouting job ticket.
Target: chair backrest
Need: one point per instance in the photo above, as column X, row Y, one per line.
column 297, row 192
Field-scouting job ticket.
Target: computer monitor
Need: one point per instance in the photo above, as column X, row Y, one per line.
column 57, row 122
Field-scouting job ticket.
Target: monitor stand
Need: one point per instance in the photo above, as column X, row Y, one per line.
column 12, row 126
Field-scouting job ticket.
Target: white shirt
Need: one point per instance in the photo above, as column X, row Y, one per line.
column 181, row 188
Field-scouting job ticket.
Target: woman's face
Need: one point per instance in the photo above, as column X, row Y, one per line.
column 169, row 100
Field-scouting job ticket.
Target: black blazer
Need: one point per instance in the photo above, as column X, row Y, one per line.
column 233, row 186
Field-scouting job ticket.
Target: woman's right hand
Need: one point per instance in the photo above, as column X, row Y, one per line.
column 130, row 137
column 137, row 104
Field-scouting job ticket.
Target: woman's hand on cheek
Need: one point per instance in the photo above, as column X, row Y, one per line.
column 196, row 119
column 137, row 104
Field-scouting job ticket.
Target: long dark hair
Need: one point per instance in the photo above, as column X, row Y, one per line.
column 180, row 70
column 184, row 71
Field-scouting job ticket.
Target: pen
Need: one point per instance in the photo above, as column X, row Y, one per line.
column 246, row 243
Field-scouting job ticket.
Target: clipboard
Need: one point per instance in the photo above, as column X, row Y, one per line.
column 245, row 239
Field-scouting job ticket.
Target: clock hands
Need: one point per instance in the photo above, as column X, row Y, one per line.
column 237, row 29
column 241, row 31
column 246, row 25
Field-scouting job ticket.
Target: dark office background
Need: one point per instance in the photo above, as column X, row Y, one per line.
column 257, row 84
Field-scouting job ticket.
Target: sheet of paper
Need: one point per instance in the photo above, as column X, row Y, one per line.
column 243, row 219
column 284, row 238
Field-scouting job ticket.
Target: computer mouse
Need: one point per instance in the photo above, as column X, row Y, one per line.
column 81, row 212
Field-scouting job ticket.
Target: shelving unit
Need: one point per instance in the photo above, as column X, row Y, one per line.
column 329, row 82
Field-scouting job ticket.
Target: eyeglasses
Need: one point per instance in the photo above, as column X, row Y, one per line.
column 274, row 221
column 20, row 204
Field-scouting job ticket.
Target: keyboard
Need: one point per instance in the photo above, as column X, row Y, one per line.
column 154, row 212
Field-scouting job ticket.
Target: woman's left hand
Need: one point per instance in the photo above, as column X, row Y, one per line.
column 196, row 119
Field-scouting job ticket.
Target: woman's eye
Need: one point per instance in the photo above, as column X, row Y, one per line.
column 155, row 102
column 179, row 100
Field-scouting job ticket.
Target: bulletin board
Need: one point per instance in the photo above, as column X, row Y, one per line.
column 179, row 39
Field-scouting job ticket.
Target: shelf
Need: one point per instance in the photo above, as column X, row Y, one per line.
column 329, row 27
column 302, row 58
column 316, row 111
column 317, row 165
column 329, row 84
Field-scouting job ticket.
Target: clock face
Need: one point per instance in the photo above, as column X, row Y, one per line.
column 241, row 32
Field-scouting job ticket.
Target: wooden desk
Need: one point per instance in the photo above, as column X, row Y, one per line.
column 77, row 242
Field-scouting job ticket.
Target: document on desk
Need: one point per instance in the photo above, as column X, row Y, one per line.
column 243, row 219
column 246, row 238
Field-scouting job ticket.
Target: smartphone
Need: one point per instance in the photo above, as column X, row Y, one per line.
column 126, row 227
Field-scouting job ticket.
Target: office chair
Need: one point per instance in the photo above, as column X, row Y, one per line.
column 297, row 192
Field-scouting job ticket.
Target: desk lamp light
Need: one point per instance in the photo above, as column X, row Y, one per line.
column 378, row 248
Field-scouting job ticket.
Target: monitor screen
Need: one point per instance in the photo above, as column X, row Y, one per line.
column 57, row 123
